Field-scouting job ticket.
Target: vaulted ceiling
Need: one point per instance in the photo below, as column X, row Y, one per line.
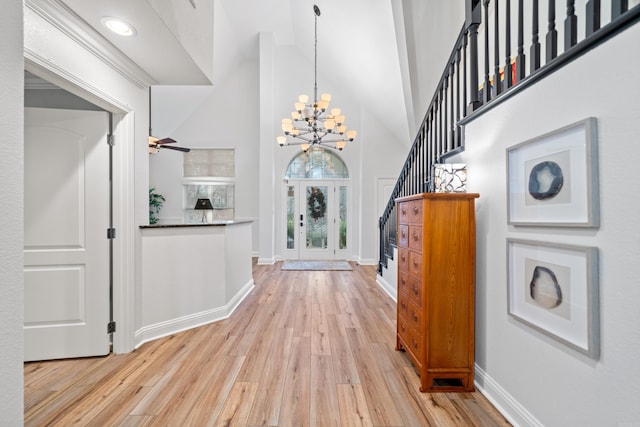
column 198, row 41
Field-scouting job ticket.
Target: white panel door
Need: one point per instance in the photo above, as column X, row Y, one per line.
column 66, row 216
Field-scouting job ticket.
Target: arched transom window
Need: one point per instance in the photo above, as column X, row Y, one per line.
column 317, row 163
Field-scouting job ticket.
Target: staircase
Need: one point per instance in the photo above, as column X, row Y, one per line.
column 490, row 63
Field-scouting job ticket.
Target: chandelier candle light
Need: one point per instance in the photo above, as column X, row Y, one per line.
column 313, row 123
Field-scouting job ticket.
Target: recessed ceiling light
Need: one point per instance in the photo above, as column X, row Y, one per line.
column 118, row 26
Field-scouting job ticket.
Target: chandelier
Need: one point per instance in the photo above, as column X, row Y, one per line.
column 312, row 123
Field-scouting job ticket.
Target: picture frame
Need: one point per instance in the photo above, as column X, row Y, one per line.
column 553, row 288
column 552, row 180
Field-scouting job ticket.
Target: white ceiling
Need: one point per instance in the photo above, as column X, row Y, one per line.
column 178, row 43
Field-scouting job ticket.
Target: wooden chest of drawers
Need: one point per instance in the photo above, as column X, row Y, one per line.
column 436, row 298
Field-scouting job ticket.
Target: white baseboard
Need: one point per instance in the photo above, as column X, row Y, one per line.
column 506, row 404
column 173, row 326
column 390, row 289
column 266, row 261
column 367, row 261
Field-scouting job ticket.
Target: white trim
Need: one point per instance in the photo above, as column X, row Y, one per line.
column 506, row 404
column 391, row 290
column 266, row 261
column 124, row 222
column 62, row 78
column 65, row 20
column 173, row 326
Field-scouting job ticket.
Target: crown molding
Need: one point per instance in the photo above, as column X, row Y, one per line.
column 68, row 22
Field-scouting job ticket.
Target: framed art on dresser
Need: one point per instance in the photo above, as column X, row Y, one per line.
column 552, row 180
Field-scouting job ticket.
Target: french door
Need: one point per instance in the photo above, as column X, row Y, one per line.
column 317, row 220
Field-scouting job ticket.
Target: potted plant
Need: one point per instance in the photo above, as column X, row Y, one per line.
column 155, row 204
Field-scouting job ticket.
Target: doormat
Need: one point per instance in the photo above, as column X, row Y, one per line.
column 316, row 265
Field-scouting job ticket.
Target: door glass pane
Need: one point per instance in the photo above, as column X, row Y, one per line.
column 316, row 218
column 342, row 238
column 291, row 217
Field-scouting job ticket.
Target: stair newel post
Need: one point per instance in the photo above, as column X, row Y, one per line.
column 534, row 53
column 570, row 26
column 473, row 19
column 552, row 34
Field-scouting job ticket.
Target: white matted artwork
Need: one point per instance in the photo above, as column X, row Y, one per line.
column 552, row 180
column 450, row 177
column 554, row 289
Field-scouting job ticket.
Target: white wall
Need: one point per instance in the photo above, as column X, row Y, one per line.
column 431, row 29
column 227, row 115
column 536, row 379
column 208, row 117
column 11, row 208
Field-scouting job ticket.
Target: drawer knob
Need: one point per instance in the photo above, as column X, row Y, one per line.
column 404, row 210
column 415, row 317
column 416, row 236
column 403, row 233
column 402, row 305
column 415, row 290
column 416, row 211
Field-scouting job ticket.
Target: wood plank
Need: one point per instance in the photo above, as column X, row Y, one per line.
column 320, row 344
column 236, row 409
column 266, row 407
column 344, row 365
column 324, row 395
column 354, row 411
column 295, row 410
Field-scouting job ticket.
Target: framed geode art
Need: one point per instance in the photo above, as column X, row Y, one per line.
column 554, row 289
column 552, row 180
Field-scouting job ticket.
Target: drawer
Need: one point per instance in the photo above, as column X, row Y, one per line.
column 414, row 316
column 412, row 341
column 403, row 308
column 410, row 212
column 415, row 263
column 414, row 237
column 409, row 287
column 403, row 259
column 403, row 235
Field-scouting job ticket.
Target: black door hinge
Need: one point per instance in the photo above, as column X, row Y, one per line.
column 111, row 233
column 111, row 327
column 111, row 140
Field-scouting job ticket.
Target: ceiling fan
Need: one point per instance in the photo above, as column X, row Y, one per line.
column 155, row 144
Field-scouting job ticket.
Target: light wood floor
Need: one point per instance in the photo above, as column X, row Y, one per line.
column 303, row 349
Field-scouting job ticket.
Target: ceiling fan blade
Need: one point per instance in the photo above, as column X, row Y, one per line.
column 183, row 149
column 165, row 141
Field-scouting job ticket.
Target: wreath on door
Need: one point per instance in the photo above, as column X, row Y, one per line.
column 317, row 206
